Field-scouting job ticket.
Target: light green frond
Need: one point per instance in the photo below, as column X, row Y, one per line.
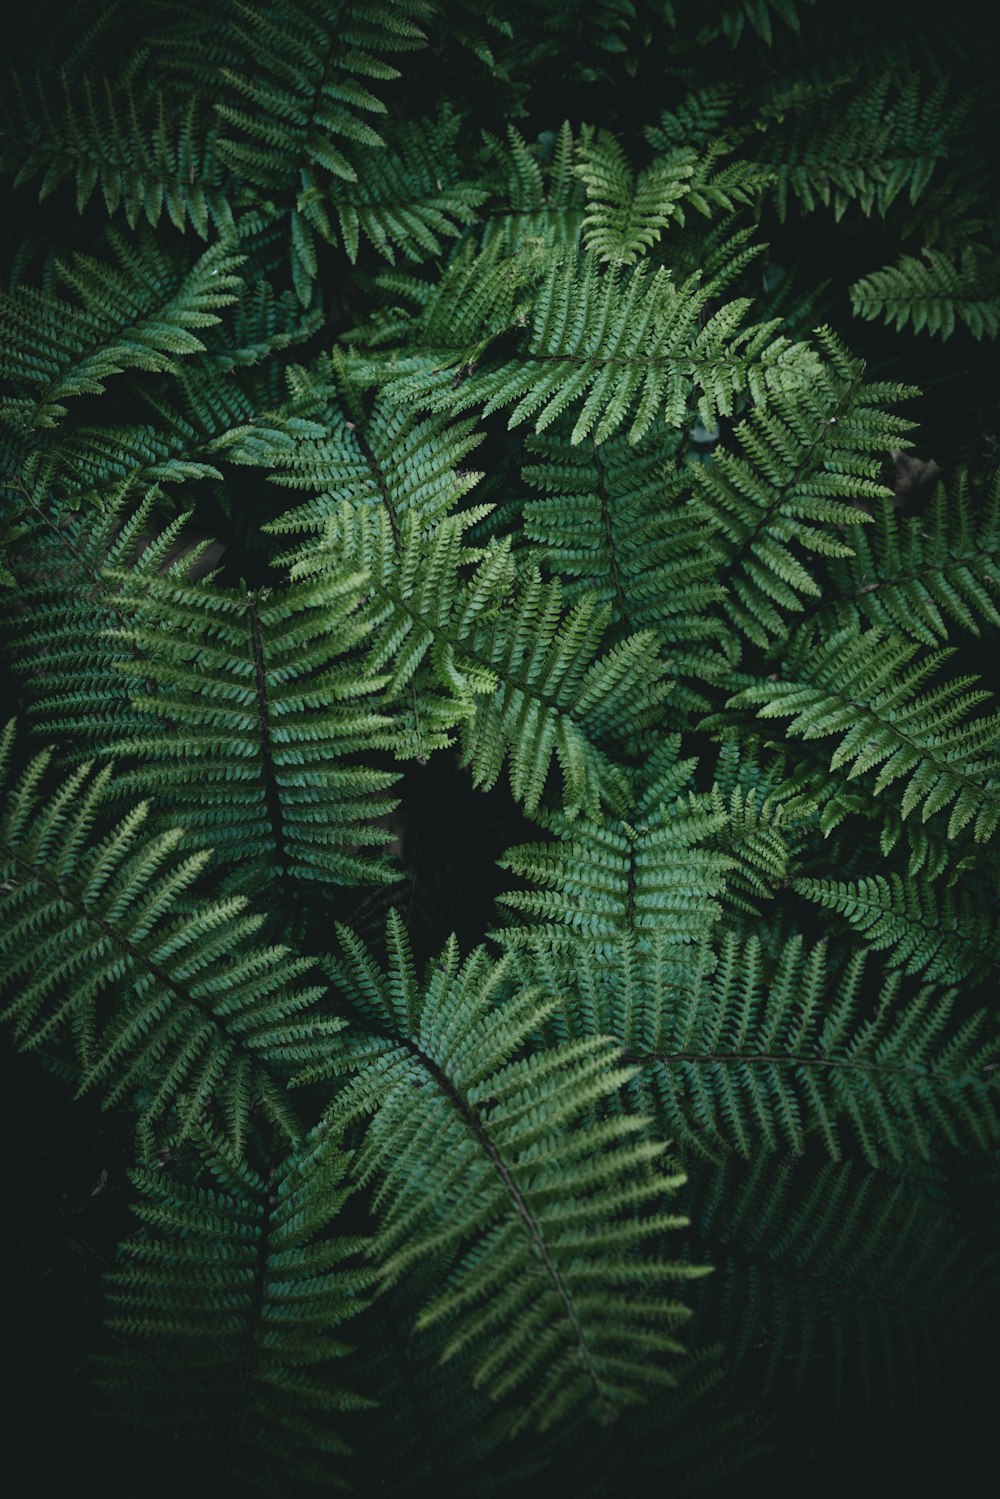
column 617, row 347
column 793, row 491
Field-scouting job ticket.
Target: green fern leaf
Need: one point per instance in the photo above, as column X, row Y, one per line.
column 537, row 1213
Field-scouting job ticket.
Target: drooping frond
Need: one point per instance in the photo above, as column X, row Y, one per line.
column 145, row 156
column 788, row 496
column 142, row 314
column 254, row 718
column 944, row 289
column 841, row 1263
column 870, row 693
column 944, row 937
column 759, row 16
column 227, row 1309
column 168, row 1000
column 537, row 1212
column 923, row 575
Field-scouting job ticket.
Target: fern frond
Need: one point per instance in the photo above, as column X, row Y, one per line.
column 138, row 314
column 301, row 95
column 168, row 1001
column 407, row 196
column 385, row 457
column 739, row 1057
column 433, row 1427
column 865, row 139
column 537, row 195
column 806, row 461
column 78, row 680
column 759, row 16
column 870, row 691
column 524, row 680
column 923, row 575
column 944, row 937
column 254, row 718
column 537, row 1214
column 629, row 347
column 598, row 884
column 227, row 1307
column 145, row 156
column 841, row 1263
column 627, row 212
column 611, row 520
column 944, row 289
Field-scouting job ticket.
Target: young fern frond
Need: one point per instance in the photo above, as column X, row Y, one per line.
column 628, row 212
column 254, row 717
column 227, row 1307
column 508, row 1180
column 167, row 1002
column 616, row 347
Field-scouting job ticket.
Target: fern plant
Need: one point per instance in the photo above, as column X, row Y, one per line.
column 500, row 795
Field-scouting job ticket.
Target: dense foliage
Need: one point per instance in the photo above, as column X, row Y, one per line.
column 501, row 555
